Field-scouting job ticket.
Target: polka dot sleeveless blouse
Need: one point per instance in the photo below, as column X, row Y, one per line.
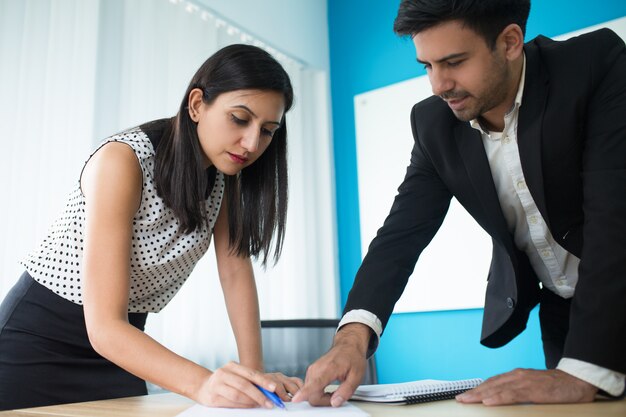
column 161, row 257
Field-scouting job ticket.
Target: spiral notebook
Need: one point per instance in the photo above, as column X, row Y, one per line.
column 414, row 392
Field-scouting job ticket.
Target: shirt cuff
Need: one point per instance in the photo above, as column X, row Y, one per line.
column 607, row 380
column 368, row 319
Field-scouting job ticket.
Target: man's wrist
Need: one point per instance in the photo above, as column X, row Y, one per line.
column 368, row 319
column 355, row 335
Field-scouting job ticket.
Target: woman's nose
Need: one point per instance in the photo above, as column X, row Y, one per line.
column 250, row 140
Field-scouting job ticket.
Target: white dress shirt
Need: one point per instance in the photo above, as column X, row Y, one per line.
column 556, row 268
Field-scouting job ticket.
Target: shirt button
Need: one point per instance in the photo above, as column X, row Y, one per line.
column 510, row 303
column 506, row 139
column 545, row 253
column 533, row 219
column 521, row 185
column 560, row 282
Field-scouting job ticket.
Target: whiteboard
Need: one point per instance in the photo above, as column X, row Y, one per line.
column 451, row 273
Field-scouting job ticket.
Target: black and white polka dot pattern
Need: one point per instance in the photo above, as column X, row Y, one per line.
column 161, row 257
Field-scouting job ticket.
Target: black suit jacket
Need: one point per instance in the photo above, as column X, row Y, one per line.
column 572, row 145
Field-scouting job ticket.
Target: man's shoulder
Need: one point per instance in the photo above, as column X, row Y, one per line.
column 582, row 46
column 579, row 60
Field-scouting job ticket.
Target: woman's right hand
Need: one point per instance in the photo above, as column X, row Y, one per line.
column 233, row 386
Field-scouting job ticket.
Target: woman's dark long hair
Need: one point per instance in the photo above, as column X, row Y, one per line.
column 257, row 196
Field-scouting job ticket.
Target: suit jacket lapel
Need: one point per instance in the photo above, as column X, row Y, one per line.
column 472, row 150
column 529, row 127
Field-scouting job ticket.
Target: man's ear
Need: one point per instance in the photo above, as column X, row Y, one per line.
column 194, row 103
column 512, row 40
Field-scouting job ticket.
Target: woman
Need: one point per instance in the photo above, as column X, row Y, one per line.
column 143, row 213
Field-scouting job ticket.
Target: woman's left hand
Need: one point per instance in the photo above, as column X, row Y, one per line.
column 286, row 386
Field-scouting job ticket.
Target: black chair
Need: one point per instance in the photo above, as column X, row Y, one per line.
column 290, row 346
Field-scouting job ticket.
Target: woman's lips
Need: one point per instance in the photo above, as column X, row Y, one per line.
column 237, row 158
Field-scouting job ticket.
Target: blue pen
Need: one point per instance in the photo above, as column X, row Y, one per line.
column 273, row 397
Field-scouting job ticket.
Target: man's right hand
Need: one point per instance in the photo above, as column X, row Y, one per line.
column 345, row 362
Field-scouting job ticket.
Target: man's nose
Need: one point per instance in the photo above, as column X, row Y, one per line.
column 440, row 82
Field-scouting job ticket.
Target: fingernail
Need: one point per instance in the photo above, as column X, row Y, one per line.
column 336, row 401
column 460, row 397
column 489, row 401
column 272, row 387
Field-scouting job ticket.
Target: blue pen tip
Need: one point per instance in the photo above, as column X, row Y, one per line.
column 273, row 397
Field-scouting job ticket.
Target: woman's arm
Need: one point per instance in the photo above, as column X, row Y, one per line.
column 242, row 304
column 240, row 294
column 112, row 184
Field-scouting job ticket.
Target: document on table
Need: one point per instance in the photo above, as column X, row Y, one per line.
column 293, row 410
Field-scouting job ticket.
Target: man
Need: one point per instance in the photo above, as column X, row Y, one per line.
column 531, row 140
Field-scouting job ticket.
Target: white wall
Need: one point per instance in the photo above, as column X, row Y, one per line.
column 296, row 27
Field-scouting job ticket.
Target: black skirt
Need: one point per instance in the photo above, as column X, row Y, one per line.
column 45, row 354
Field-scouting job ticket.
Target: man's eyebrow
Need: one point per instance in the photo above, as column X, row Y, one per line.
column 246, row 108
column 446, row 58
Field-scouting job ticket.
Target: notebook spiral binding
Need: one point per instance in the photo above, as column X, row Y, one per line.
column 435, row 396
column 437, row 387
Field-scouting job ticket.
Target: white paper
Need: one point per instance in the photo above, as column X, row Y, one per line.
column 293, row 409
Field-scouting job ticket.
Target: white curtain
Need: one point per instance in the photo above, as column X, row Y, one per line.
column 48, row 59
column 74, row 71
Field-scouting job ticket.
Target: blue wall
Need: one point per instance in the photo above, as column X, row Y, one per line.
column 364, row 55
